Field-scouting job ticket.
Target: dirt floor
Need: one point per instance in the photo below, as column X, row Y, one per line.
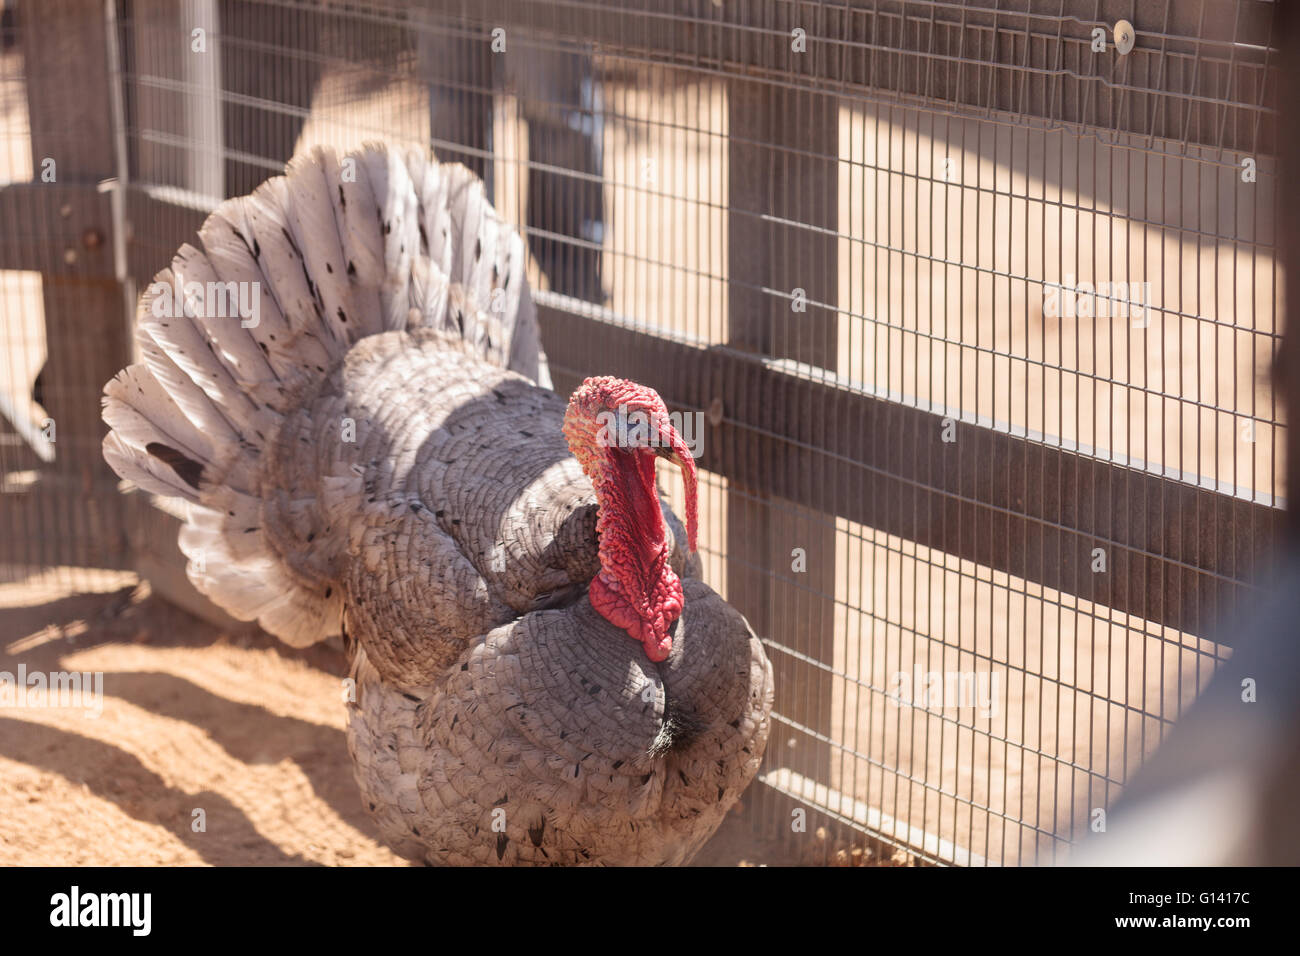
column 234, row 725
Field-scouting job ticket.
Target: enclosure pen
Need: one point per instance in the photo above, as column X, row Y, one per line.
column 976, row 306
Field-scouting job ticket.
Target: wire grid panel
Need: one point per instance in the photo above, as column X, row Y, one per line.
column 61, row 318
column 1046, row 271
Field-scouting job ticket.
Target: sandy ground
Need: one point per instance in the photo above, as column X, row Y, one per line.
column 192, row 720
column 237, row 726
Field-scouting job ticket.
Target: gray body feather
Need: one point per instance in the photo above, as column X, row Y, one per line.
column 376, row 457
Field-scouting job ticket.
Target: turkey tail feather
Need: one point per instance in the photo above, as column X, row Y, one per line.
column 286, row 282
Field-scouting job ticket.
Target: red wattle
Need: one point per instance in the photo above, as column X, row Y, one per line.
column 636, row 589
column 651, row 628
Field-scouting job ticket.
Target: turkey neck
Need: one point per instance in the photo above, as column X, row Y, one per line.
column 635, row 589
column 631, row 523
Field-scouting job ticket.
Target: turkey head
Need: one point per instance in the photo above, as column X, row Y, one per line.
column 616, row 429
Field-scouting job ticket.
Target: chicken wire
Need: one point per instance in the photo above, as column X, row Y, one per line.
column 838, row 233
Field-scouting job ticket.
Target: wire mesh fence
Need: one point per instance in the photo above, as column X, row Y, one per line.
column 979, row 310
column 60, row 515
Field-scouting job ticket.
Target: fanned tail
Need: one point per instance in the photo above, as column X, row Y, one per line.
column 286, row 281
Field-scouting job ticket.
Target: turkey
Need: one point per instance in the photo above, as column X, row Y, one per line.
column 346, row 385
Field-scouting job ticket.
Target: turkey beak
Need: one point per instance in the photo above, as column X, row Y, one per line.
column 676, row 451
column 673, row 455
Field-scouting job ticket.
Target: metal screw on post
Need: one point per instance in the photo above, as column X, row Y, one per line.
column 1125, row 37
column 715, row 411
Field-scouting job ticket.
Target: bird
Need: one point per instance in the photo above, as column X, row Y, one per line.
column 344, row 382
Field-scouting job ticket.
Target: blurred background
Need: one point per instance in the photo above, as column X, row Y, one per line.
column 981, row 308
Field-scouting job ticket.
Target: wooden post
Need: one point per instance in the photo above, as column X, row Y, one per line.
column 65, row 54
column 781, row 570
